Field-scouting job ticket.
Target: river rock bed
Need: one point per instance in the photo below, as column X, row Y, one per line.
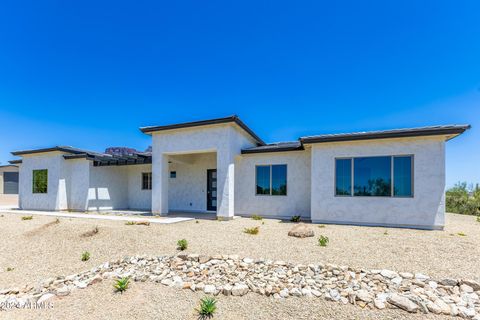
column 231, row 275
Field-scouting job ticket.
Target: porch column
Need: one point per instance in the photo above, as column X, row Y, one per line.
column 160, row 184
column 225, row 184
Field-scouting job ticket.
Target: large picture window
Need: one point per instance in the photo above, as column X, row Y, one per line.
column 385, row 176
column 271, row 180
column 40, row 181
column 146, row 181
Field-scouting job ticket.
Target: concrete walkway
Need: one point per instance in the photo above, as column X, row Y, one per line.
column 159, row 220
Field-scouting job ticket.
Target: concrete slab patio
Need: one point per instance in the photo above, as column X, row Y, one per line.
column 137, row 216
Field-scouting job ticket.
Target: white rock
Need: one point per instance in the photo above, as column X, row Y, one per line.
column 471, row 283
column 406, row 275
column 432, row 307
column 209, row 289
column 63, row 291
column 44, row 298
column 388, row 274
column 433, row 284
column 364, row 296
column 465, row 312
column 177, row 282
column 403, row 303
column 397, row 281
column 248, row 260
column 379, row 304
column 334, row 294
column 448, row 282
column 227, row 289
column 239, row 289
column 284, row 293
column 306, row 292
column 166, row 282
column 316, row 293
column 421, row 277
column 444, row 307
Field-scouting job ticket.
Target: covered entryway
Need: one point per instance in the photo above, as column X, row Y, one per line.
column 192, row 182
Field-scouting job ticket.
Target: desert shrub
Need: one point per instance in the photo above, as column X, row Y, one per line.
column 321, row 226
column 461, row 234
column 27, row 217
column 295, row 219
column 130, row 223
column 10, row 269
column 323, row 241
column 121, row 284
column 256, row 217
column 182, row 244
column 85, row 256
column 254, row 230
column 478, row 219
column 207, row 308
column 463, row 199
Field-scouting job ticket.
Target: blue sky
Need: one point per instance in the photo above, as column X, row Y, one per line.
column 89, row 73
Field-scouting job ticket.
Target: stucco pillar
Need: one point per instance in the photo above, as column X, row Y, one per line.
column 225, row 184
column 160, row 184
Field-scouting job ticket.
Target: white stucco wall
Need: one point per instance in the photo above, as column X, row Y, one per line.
column 297, row 200
column 426, row 209
column 225, row 139
column 56, row 196
column 78, row 182
column 188, row 191
column 138, row 199
column 108, row 188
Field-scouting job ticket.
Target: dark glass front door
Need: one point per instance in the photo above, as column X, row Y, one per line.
column 212, row 189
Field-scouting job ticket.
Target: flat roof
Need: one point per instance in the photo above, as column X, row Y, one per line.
column 235, row 119
column 454, row 130
column 276, row 147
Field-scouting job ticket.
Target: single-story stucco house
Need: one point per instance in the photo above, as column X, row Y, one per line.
column 381, row 178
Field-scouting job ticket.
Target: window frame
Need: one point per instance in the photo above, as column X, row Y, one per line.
column 33, row 181
column 149, row 181
column 392, row 170
column 271, row 179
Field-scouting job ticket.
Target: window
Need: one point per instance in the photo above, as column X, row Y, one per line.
column 384, row 176
column 146, row 181
column 173, row 174
column 402, row 176
column 40, row 181
column 343, row 177
column 372, row 176
column 271, row 180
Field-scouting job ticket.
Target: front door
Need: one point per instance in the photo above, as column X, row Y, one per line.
column 212, row 189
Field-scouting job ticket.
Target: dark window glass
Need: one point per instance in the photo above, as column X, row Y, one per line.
column 146, row 181
column 343, row 174
column 372, row 176
column 263, row 179
column 173, row 174
column 279, row 180
column 40, row 181
column 402, row 176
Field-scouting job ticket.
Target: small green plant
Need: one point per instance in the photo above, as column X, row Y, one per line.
column 321, row 226
column 478, row 218
column 10, row 269
column 85, row 256
column 196, row 221
column 207, row 308
column 263, row 222
column 90, row 233
column 256, row 217
column 254, row 230
column 27, row 217
column 182, row 244
column 461, row 234
column 295, row 219
column 386, row 233
column 130, row 223
column 121, row 284
column 323, row 241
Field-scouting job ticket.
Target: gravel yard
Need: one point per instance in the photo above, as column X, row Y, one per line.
column 41, row 248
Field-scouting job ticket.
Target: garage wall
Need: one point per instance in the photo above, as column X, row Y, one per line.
column 108, row 188
column 138, row 199
column 4, row 169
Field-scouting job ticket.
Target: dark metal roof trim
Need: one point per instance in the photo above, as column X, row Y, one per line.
column 67, row 149
column 396, row 133
column 276, row 147
column 233, row 118
column 17, row 161
column 9, row 165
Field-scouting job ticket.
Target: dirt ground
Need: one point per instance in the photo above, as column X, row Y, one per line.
column 42, row 247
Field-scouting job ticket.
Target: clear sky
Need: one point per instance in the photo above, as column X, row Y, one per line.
column 89, row 73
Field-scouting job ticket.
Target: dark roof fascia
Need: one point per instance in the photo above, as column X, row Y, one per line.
column 234, row 119
column 17, row 161
column 401, row 133
column 61, row 149
column 78, row 156
column 268, row 150
column 9, row 165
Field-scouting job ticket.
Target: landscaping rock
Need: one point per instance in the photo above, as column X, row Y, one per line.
column 473, row 284
column 301, row 230
column 403, row 303
column 239, row 290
